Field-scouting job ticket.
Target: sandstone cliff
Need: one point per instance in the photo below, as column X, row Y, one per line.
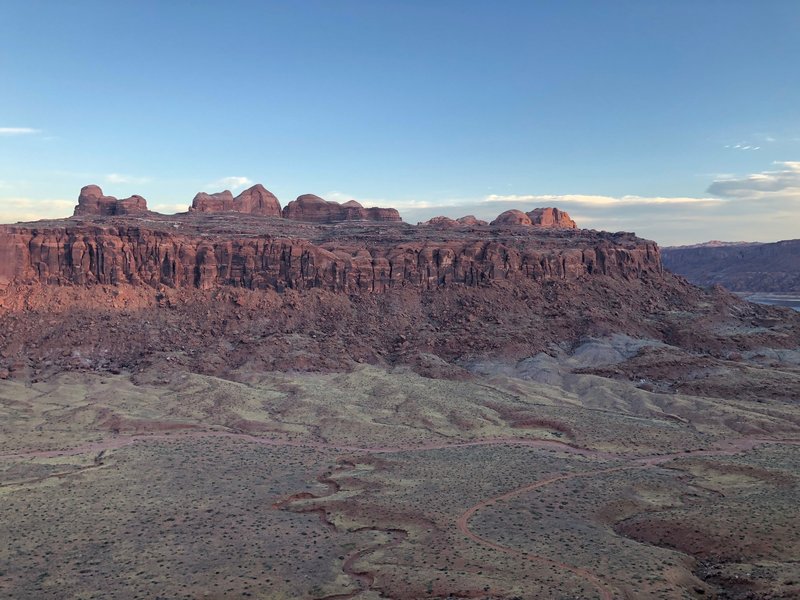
column 191, row 254
column 230, row 290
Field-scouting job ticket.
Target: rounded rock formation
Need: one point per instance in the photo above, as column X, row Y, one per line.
column 309, row 207
column 92, row 201
column 128, row 206
column 441, row 222
column 513, row 217
column 548, row 218
column 257, row 200
column 551, row 217
column 210, row 203
column 471, row 220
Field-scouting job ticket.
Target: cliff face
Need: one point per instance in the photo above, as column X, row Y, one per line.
column 128, row 253
column 742, row 267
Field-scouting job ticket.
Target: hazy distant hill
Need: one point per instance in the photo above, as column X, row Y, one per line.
column 739, row 266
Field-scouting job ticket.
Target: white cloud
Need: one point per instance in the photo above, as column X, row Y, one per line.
column 118, row 178
column 595, row 200
column 28, row 209
column 761, row 206
column 782, row 183
column 18, row 131
column 744, row 146
column 169, row 209
column 230, row 183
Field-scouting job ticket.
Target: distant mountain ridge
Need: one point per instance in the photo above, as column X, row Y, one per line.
column 739, row 266
column 714, row 244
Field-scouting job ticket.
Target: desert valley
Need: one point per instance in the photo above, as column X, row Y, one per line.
column 322, row 401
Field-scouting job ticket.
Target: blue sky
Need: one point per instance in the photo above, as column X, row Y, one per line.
column 678, row 120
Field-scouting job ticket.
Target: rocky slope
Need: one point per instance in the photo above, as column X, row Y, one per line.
column 220, row 290
column 740, row 267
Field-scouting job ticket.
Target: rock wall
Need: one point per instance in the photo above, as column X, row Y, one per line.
column 119, row 255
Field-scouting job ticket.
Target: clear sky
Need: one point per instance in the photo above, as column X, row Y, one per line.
column 677, row 119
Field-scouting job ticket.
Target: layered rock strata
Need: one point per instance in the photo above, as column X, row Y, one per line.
column 132, row 253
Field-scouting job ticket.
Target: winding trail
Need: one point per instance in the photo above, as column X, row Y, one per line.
column 363, row 579
column 463, row 526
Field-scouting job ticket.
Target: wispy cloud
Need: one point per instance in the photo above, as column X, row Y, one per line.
column 119, row 178
column 18, row 131
column 230, row 183
column 599, row 201
column 744, row 146
column 28, row 209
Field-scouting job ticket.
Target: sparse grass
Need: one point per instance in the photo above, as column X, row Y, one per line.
column 188, row 511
